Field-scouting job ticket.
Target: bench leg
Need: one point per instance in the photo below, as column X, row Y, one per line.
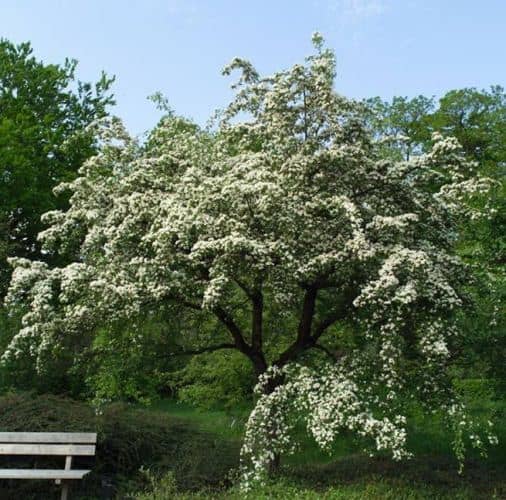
column 65, row 484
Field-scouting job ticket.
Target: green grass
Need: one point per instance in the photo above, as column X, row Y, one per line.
column 220, row 423
column 348, row 473
column 189, row 453
column 336, row 483
column 427, row 435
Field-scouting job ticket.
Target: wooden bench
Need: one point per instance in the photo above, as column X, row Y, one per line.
column 67, row 444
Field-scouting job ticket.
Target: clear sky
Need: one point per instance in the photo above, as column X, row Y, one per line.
column 178, row 47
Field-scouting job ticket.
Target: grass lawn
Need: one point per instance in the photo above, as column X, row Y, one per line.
column 188, row 454
column 349, row 473
column 217, row 422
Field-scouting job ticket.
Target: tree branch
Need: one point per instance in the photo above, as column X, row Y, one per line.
column 346, row 302
column 257, row 321
column 306, row 318
column 232, row 327
column 326, row 323
column 304, row 340
column 244, row 288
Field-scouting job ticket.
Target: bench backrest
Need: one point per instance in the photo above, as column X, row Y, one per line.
column 48, row 443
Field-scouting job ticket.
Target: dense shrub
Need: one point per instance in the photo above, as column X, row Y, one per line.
column 222, row 379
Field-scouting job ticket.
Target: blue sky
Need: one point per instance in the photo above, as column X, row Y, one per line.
column 178, row 47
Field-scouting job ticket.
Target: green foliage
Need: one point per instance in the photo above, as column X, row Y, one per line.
column 22, row 374
column 43, row 113
column 477, row 118
column 126, row 361
column 476, row 391
column 159, row 488
column 222, row 379
column 409, row 118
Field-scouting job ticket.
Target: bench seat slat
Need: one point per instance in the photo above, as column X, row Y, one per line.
column 42, row 474
column 49, row 437
column 47, row 449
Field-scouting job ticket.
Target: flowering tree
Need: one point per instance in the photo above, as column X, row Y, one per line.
column 287, row 214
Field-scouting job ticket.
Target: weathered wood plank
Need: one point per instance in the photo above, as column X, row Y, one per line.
column 49, row 437
column 42, row 474
column 47, row 449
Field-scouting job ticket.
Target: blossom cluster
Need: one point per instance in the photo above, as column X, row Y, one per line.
column 328, row 401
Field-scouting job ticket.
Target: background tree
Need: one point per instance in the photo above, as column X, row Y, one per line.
column 406, row 121
column 477, row 118
column 43, row 113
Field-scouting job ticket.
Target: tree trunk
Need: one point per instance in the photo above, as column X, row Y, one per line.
column 274, row 464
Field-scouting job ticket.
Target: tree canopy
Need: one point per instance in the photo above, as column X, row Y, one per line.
column 289, row 225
